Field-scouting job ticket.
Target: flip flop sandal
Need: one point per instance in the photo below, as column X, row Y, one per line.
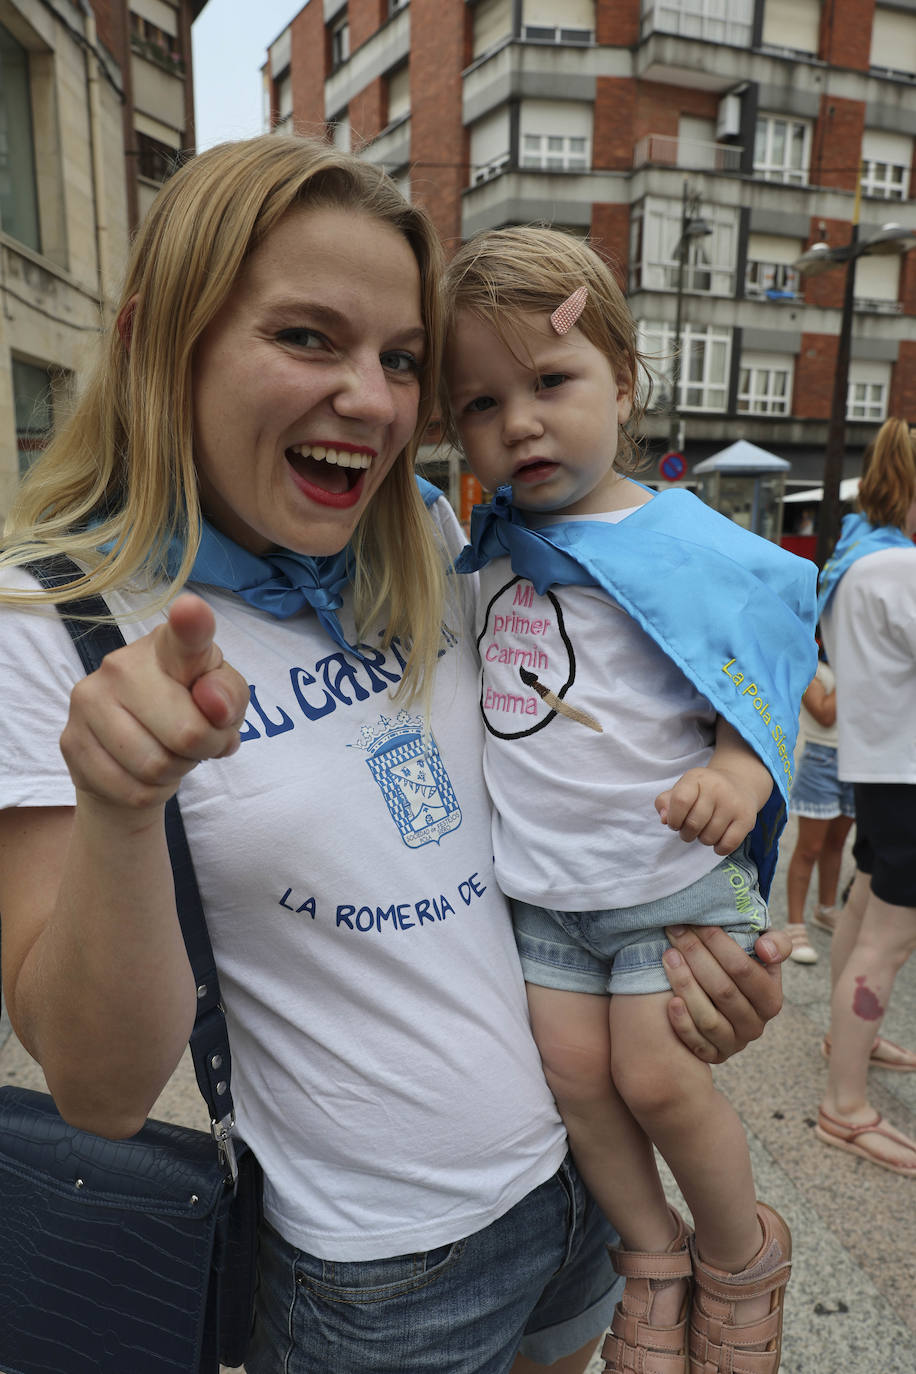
column 632, row 1342
column 717, row 1342
column 878, row 1059
column 844, row 1135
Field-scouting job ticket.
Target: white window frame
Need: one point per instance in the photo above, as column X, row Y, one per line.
column 555, row 152
column 866, row 397
column 885, row 180
column 764, row 385
column 716, row 21
column 773, row 167
column 709, row 269
column 701, row 385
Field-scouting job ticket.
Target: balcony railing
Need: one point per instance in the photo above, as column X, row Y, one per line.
column 662, row 150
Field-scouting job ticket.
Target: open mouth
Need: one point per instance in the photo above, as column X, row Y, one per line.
column 534, row 471
column 332, row 476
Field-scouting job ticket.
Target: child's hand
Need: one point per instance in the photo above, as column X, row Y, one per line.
column 709, row 805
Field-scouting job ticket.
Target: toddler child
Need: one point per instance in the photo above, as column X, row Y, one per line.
column 640, row 654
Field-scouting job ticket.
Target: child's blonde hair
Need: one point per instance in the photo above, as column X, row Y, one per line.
column 121, row 473
column 502, row 275
column 888, row 485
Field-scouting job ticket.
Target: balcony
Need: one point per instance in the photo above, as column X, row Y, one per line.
column 662, row 150
column 689, row 19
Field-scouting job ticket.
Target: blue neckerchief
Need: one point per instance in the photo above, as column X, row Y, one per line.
column 282, row 583
column 733, row 611
column 858, row 537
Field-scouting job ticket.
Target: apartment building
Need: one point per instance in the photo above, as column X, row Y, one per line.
column 95, row 104
column 747, row 122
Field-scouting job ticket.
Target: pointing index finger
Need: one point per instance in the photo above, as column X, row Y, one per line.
column 184, row 645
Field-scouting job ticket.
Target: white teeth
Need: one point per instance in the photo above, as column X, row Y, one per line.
column 340, row 457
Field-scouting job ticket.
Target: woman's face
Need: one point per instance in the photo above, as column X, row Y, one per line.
column 307, row 381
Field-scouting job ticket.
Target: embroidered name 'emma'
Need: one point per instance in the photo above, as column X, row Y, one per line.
column 762, row 706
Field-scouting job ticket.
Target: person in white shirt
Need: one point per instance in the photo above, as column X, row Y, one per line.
column 868, row 619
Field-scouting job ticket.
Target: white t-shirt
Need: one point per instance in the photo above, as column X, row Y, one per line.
column 575, row 825
column 383, row 1067
column 869, row 631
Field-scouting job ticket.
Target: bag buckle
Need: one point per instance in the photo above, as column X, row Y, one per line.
column 222, row 1134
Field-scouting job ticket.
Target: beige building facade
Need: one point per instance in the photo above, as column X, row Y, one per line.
column 96, row 110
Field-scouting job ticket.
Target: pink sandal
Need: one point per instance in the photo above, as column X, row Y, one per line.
column 717, row 1342
column 845, row 1136
column 632, row 1342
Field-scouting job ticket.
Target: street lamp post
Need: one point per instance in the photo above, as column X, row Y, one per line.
column 692, row 226
column 892, row 238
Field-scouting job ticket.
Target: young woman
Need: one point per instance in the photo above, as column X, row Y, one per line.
column 868, row 617
column 251, row 430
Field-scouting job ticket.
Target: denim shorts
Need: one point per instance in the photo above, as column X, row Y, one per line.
column 538, row 1280
column 817, row 792
column 620, row 950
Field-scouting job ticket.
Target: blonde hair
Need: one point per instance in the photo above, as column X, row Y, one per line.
column 121, row 470
column 888, row 486
column 502, row 275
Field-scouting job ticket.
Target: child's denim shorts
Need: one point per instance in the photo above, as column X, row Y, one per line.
column 620, row 949
column 817, row 791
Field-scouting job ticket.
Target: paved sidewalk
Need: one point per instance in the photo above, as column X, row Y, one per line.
column 852, row 1299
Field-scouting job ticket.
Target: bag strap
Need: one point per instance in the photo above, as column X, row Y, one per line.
column 209, row 1040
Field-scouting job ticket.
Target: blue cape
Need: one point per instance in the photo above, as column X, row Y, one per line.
column 733, row 611
column 858, row 538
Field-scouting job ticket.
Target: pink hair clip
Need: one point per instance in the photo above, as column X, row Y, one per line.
column 565, row 315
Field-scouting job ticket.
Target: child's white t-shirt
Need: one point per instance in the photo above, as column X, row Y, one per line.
column 575, row 826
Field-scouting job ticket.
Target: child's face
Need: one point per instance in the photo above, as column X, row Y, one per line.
column 550, row 432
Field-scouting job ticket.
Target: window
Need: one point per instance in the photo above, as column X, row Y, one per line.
column 158, row 45
column 770, row 274
column 793, row 25
column 492, row 24
column 717, row 21
column 782, row 149
column 893, row 42
column 32, row 404
column 340, row 42
column 886, row 159
column 765, row 384
column 773, row 281
column 156, row 161
column 541, row 22
column 18, row 191
column 490, row 139
column 709, row 264
column 395, row 5
column 555, row 135
column 877, row 284
column 866, row 400
column 555, row 152
column 399, row 93
column 283, row 103
column 705, row 362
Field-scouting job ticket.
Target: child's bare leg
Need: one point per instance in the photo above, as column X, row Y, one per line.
column 672, row 1096
column 611, row 1150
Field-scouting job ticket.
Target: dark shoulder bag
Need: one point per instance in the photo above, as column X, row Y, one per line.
column 129, row 1256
